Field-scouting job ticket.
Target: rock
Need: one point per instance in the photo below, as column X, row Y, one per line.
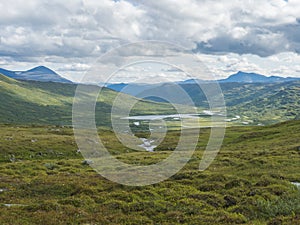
column 12, row 158
column 230, row 201
column 251, row 193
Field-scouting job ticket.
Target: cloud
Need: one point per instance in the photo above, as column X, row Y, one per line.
column 225, row 26
column 282, row 64
column 74, row 67
column 75, row 32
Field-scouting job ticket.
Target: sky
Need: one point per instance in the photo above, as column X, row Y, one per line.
column 68, row 36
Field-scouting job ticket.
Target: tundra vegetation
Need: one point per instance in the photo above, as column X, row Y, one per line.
column 45, row 180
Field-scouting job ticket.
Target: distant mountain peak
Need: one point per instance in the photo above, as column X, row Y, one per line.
column 246, row 77
column 39, row 73
column 42, row 69
column 241, row 73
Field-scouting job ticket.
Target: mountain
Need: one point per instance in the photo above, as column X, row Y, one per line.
column 117, row 87
column 8, row 73
column 40, row 73
column 136, row 89
column 243, row 77
column 192, row 81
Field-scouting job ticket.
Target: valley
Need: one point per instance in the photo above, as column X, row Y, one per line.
column 253, row 179
column 51, row 102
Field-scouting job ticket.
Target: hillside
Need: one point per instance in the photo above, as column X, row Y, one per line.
column 255, row 103
column 26, row 102
column 269, row 103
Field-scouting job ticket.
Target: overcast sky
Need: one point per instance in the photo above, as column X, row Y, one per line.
column 250, row 35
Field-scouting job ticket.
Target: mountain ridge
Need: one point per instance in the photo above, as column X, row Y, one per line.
column 239, row 77
column 45, row 74
column 244, row 77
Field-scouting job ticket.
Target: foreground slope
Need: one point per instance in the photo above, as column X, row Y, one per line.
column 44, row 180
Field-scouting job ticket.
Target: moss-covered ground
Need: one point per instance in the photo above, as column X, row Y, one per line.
column 44, row 180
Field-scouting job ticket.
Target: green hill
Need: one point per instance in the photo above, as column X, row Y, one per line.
column 267, row 103
column 256, row 103
column 33, row 102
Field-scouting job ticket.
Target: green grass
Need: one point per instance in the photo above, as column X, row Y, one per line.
column 248, row 183
column 263, row 103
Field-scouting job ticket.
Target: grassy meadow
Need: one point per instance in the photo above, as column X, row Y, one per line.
column 45, row 180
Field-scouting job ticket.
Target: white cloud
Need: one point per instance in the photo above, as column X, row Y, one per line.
column 282, row 64
column 74, row 67
column 65, row 34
